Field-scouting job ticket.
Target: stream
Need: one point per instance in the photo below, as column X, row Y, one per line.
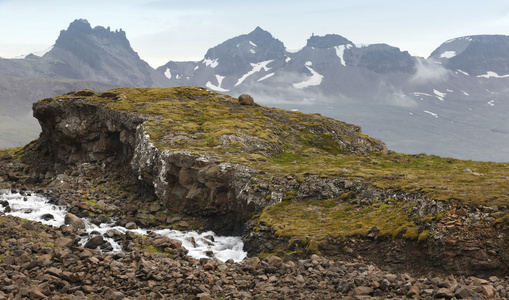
column 31, row 206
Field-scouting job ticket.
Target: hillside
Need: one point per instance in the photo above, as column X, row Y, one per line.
column 296, row 184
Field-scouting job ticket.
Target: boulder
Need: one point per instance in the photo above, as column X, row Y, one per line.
column 74, row 221
column 245, row 99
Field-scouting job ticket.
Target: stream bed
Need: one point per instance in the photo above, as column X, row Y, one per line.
column 35, row 207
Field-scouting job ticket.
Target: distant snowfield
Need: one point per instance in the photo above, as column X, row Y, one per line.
column 167, row 73
column 491, row 74
column 439, row 95
column 340, row 51
column 218, row 86
column 211, row 63
column 431, row 113
column 266, row 76
column 314, row 80
column 256, row 68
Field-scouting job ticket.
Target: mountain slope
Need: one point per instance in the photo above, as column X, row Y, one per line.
column 86, row 53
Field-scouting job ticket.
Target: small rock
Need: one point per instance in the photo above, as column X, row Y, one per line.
column 275, row 261
column 444, row 293
column 131, row 225
column 463, row 293
column 414, row 291
column 94, row 242
column 488, row 291
column 362, row 290
column 47, row 217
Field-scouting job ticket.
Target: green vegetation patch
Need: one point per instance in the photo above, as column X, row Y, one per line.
column 300, row 218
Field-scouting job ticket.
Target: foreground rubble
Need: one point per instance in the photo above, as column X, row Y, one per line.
column 41, row 262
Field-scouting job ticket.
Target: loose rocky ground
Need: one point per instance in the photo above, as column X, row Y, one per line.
column 43, row 262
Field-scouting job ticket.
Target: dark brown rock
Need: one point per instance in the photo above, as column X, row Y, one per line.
column 245, row 99
column 94, row 242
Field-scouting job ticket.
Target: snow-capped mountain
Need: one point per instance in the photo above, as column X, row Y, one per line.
column 452, row 103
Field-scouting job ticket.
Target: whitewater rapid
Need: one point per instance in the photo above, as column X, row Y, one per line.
column 34, row 207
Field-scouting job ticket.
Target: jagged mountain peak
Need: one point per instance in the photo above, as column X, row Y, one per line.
column 237, row 54
column 80, row 31
column 327, row 41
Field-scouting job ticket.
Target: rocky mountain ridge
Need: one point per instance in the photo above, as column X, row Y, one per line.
column 452, row 103
column 371, row 86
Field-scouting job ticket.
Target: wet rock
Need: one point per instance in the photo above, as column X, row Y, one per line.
column 94, row 242
column 47, row 217
column 131, row 225
column 74, row 221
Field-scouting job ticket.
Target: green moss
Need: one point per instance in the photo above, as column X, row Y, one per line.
column 412, row 233
column 423, row 236
column 16, row 152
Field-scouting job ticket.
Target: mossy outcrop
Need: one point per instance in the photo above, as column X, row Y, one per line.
column 196, row 150
column 307, row 184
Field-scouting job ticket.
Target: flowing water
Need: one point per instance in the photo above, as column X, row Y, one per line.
column 36, row 207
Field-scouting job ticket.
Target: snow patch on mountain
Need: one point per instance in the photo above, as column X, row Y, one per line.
column 253, row 44
column 439, row 95
column 491, row 74
column 340, row 51
column 167, row 73
column 266, row 76
column 431, row 113
column 256, row 68
column 211, row 63
column 491, row 103
column 217, row 87
column 314, row 80
column 448, row 54
column 462, row 72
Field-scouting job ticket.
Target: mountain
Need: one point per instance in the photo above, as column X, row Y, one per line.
column 452, row 103
column 82, row 57
column 85, row 53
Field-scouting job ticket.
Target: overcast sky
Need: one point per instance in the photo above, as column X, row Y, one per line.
column 163, row 30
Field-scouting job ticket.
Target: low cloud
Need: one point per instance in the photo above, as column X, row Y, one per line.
column 429, row 71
